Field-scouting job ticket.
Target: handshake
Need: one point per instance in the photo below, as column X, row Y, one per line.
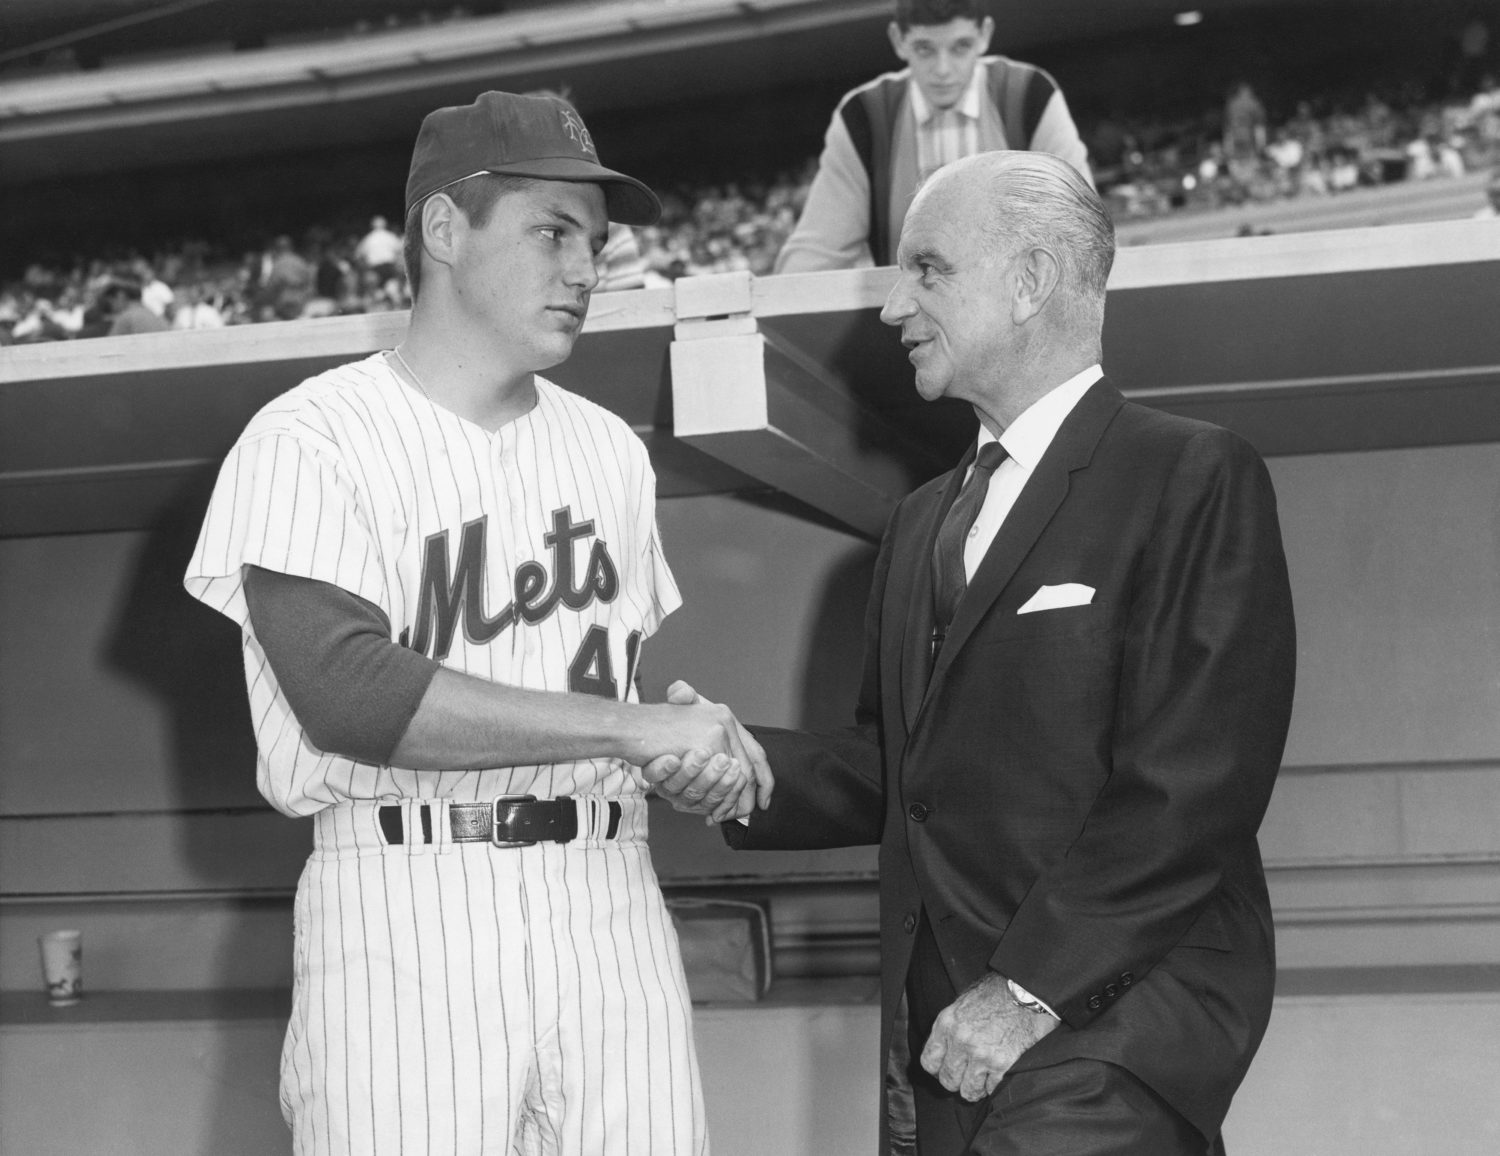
column 720, row 773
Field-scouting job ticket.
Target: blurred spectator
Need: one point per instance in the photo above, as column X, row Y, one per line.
column 40, row 322
column 195, row 311
column 288, row 280
column 1491, row 210
column 120, row 302
column 1343, row 171
column 620, row 264
column 10, row 313
column 887, row 136
column 1450, row 158
column 379, row 251
column 1287, row 154
column 1421, row 162
column 334, row 276
column 1308, row 130
column 1244, row 132
column 156, row 294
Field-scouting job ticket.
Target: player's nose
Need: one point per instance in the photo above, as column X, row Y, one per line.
column 580, row 271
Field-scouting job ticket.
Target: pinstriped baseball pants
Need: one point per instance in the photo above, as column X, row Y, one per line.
column 466, row 999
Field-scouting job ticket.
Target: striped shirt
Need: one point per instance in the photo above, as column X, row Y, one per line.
column 945, row 135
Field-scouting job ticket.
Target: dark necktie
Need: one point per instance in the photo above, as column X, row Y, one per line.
column 948, row 578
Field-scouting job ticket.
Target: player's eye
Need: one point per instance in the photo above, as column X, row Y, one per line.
column 551, row 232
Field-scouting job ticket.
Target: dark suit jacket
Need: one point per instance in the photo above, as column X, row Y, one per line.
column 1072, row 796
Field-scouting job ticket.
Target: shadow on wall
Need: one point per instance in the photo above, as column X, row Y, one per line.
column 833, row 668
column 188, row 657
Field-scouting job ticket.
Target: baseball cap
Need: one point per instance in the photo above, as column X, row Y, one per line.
column 520, row 136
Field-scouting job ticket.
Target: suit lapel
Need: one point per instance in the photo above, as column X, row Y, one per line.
column 1071, row 449
column 916, row 643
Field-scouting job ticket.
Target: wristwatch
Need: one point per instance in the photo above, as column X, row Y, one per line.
column 1026, row 1000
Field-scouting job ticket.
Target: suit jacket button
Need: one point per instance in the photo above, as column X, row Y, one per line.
column 910, row 923
column 918, row 812
column 1126, row 979
column 1095, row 1003
column 1111, row 991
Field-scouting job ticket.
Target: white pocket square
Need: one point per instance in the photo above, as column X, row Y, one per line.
column 1056, row 597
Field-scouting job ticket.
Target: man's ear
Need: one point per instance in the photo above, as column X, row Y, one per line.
column 442, row 222
column 1038, row 275
column 986, row 30
column 898, row 39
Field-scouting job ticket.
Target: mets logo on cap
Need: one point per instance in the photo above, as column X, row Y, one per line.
column 573, row 126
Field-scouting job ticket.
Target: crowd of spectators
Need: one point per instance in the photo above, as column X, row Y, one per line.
column 194, row 287
column 1228, row 156
column 1237, row 155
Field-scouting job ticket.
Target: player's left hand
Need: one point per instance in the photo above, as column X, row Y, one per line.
column 977, row 1038
column 717, row 786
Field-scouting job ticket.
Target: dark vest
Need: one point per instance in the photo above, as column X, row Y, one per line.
column 1019, row 91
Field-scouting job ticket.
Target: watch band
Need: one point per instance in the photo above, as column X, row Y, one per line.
column 1026, row 1000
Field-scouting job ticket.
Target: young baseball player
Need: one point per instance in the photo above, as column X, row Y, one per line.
column 444, row 567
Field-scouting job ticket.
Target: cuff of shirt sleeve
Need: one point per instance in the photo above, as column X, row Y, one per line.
column 1029, row 1001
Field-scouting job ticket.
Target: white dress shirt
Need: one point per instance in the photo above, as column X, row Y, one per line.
column 1025, row 440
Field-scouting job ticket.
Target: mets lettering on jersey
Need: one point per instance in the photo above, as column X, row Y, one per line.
column 528, row 555
column 450, row 597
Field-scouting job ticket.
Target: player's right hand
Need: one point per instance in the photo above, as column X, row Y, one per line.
column 742, row 744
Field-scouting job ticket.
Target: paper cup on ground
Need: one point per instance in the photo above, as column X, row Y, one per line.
column 62, row 966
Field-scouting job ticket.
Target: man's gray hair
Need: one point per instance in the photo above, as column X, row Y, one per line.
column 1041, row 201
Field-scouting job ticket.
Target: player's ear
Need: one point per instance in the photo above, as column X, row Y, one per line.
column 441, row 222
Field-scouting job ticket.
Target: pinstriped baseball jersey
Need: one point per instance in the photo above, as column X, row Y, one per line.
column 527, row 556
column 457, row 998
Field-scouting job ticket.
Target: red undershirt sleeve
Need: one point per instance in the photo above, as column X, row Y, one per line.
column 353, row 690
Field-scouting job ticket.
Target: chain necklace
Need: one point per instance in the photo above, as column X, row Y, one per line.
column 411, row 373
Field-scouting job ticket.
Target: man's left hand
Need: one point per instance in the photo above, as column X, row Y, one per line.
column 716, row 786
column 977, row 1038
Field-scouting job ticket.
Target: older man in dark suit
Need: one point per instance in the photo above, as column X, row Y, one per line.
column 1077, row 690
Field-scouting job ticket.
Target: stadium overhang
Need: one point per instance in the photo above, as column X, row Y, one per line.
column 1361, row 339
column 378, row 85
column 208, row 102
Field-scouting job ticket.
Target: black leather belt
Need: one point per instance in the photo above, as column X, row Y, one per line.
column 509, row 821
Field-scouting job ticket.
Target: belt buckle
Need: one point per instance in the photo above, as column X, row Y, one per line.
column 499, row 802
